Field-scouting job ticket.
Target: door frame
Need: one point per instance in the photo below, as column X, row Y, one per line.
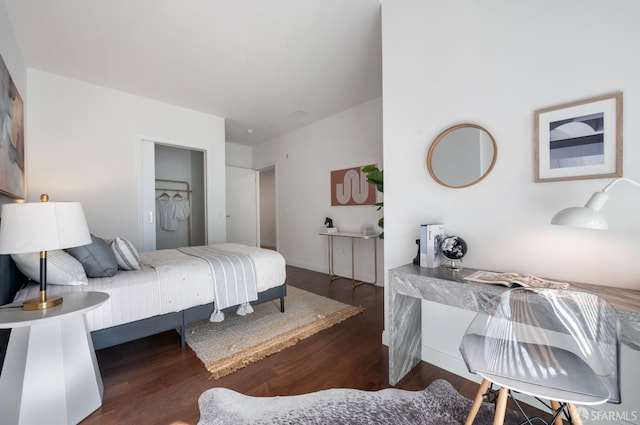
column 147, row 213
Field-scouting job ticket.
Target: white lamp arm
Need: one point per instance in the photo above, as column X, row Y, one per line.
column 619, row 179
column 598, row 199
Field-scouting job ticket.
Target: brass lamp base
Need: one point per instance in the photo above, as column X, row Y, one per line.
column 41, row 304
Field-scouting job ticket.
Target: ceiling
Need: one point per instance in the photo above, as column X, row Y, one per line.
column 266, row 66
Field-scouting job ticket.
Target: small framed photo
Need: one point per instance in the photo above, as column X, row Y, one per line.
column 579, row 140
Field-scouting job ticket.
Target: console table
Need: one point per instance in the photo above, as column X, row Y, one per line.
column 353, row 236
column 50, row 373
column 410, row 285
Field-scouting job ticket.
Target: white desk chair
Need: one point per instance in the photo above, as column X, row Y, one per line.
column 556, row 345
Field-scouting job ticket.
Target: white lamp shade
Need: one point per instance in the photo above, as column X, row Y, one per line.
column 580, row 217
column 42, row 226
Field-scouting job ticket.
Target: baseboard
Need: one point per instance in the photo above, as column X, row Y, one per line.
column 385, row 338
column 447, row 362
column 312, row 267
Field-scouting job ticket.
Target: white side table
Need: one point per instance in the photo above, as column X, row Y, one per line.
column 50, row 373
column 353, row 236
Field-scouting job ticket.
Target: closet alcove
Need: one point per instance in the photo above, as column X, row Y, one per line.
column 179, row 182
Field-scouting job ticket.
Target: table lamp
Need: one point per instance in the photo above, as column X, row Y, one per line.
column 589, row 216
column 41, row 227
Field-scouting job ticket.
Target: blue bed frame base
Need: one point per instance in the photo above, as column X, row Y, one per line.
column 115, row 335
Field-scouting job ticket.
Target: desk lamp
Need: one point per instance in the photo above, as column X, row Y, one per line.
column 41, row 227
column 589, row 216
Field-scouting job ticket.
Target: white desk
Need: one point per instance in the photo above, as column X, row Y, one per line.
column 353, row 236
column 50, row 373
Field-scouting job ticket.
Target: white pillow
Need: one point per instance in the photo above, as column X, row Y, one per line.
column 62, row 268
column 126, row 254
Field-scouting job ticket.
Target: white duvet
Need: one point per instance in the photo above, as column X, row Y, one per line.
column 169, row 281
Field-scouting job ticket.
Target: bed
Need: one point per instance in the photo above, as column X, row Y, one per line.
column 172, row 289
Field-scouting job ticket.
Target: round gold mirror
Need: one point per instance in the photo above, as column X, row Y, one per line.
column 462, row 155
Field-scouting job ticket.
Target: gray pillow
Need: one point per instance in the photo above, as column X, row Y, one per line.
column 97, row 258
column 62, row 268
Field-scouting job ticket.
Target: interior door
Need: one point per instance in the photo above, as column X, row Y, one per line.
column 242, row 205
column 148, row 198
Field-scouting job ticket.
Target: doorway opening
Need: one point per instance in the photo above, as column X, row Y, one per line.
column 268, row 208
column 179, row 197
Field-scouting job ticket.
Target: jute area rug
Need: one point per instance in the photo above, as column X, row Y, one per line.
column 237, row 341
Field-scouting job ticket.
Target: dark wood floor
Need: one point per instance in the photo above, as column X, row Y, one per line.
column 154, row 381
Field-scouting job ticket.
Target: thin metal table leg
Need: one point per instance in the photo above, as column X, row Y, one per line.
column 332, row 276
column 375, row 260
column 330, row 254
column 353, row 268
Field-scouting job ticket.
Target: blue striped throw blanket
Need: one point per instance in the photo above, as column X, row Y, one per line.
column 233, row 274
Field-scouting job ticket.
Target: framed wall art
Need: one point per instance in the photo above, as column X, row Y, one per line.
column 579, row 140
column 11, row 136
column 350, row 187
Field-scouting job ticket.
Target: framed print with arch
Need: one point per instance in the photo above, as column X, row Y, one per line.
column 579, row 140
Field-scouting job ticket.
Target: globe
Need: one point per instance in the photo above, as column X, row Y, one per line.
column 453, row 248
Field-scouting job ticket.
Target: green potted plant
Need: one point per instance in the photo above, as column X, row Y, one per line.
column 375, row 176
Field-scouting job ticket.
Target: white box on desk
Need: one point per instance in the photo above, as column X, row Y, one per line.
column 330, row 230
column 430, row 237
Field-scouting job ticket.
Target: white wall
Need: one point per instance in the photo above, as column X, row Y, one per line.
column 238, row 155
column 494, row 63
column 11, row 54
column 305, row 159
column 84, row 145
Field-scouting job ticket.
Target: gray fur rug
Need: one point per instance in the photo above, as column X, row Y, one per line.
column 438, row 404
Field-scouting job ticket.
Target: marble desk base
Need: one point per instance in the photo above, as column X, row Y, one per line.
column 410, row 284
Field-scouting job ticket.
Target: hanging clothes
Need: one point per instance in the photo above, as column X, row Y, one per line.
column 166, row 213
column 182, row 207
